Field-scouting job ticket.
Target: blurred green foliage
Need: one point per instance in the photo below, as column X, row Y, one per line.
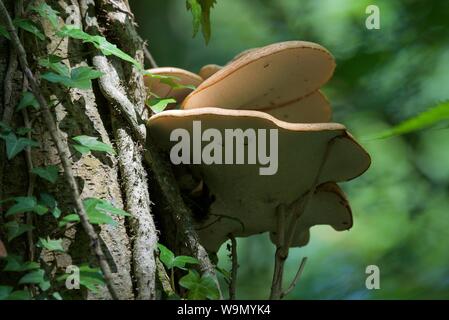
column 401, row 205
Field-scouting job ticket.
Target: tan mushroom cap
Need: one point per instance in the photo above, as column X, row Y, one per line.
column 242, row 195
column 266, row 77
column 163, row 90
column 208, row 70
column 314, row 108
column 329, row 206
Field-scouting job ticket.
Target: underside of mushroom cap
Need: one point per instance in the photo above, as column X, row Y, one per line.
column 240, row 192
column 266, row 77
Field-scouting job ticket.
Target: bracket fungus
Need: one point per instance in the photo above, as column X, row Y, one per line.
column 245, row 201
column 276, row 87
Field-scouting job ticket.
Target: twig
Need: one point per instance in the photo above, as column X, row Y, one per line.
column 280, row 255
column 148, row 55
column 296, row 278
column 234, row 268
column 62, row 149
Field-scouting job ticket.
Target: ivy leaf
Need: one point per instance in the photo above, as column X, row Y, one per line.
column 15, row 145
column 79, row 77
column 15, row 229
column 166, row 255
column 200, row 287
column 28, row 100
column 171, row 81
column 48, row 13
column 56, row 295
column 181, row 261
column 423, row 120
column 82, row 76
column 4, row 33
column 36, row 277
column 90, row 278
column 54, row 63
column 68, row 219
column 29, row 26
column 50, row 202
column 49, row 173
column 106, row 206
column 97, row 210
column 23, row 204
column 81, row 149
column 99, row 42
column 92, row 144
column 15, row 264
column 158, row 105
column 52, row 245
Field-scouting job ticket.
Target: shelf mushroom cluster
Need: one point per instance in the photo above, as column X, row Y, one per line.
column 273, row 87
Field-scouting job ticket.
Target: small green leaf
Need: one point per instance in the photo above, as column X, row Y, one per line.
column 54, row 63
column 19, row 295
column 423, row 120
column 23, row 131
column 166, row 256
column 91, row 278
column 28, row 100
column 199, row 287
column 56, row 295
column 50, row 202
column 48, row 13
column 195, row 7
column 52, row 245
column 5, row 128
column 69, row 219
column 181, row 261
column 93, row 144
column 97, row 210
column 29, row 26
column 171, row 81
column 201, row 16
column 36, row 277
column 49, row 173
column 82, row 76
column 15, row 264
column 81, row 149
column 15, row 145
column 23, row 204
column 15, row 229
column 158, row 105
column 106, row 206
column 4, row 33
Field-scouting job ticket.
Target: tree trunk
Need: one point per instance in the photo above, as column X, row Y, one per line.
column 121, row 179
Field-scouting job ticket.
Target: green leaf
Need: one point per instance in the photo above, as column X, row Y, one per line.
column 19, row 295
column 15, row 145
column 158, row 105
column 69, row 219
column 97, row 210
column 23, row 131
column 4, row 33
column 47, row 12
column 5, row 128
column 423, row 120
column 106, row 206
column 181, row 261
column 199, row 287
column 99, row 42
column 81, row 149
column 50, row 202
column 15, row 229
column 29, row 26
column 82, row 76
column 49, row 173
column 91, row 278
column 201, row 16
column 28, row 100
column 36, row 277
column 166, row 256
column 79, row 77
column 5, row 291
column 54, row 63
column 171, row 81
column 52, row 245
column 93, row 144
column 15, row 264
column 23, row 204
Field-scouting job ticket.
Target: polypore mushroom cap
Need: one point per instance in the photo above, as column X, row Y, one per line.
column 208, row 70
column 266, row 77
column 329, row 206
column 314, row 108
column 243, row 197
column 180, row 77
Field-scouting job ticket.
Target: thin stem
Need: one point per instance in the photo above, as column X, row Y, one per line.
column 234, row 268
column 296, row 278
